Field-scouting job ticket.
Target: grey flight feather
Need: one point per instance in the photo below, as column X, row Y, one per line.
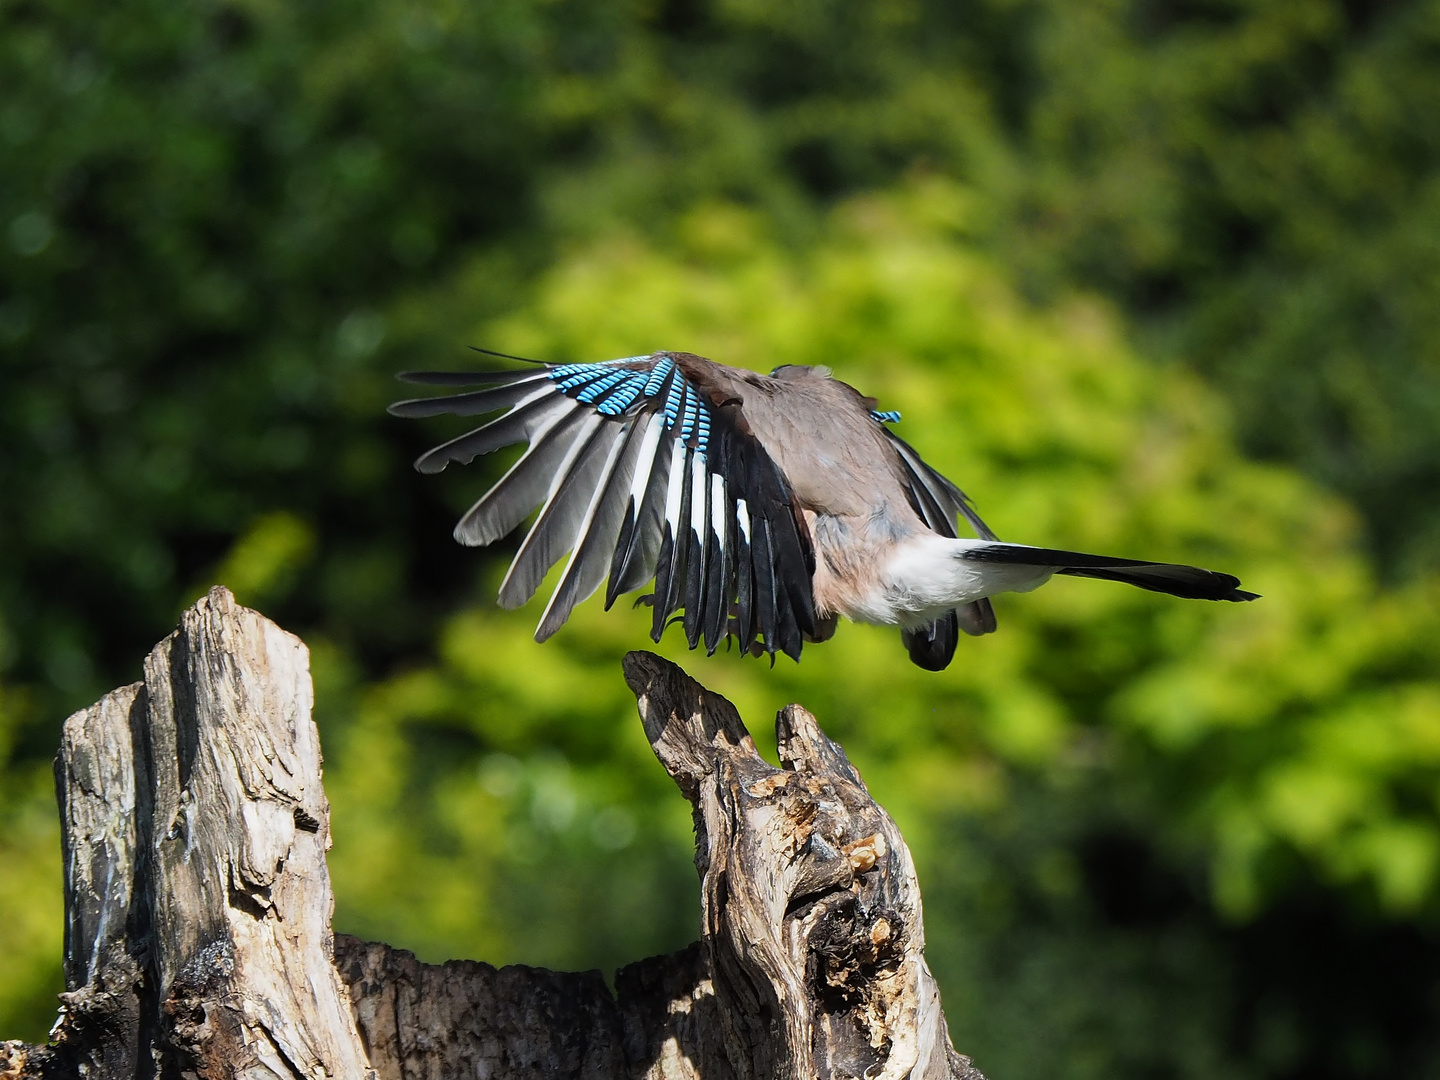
column 515, row 495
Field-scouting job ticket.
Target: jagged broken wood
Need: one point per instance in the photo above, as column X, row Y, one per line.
column 198, row 905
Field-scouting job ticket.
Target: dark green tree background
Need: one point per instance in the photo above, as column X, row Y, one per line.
column 1158, row 276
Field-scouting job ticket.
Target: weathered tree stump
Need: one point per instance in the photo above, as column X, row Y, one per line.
column 198, row 906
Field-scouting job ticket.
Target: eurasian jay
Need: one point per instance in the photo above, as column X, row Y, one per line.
column 763, row 506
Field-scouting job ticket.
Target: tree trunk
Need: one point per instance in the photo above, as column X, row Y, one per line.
column 198, row 904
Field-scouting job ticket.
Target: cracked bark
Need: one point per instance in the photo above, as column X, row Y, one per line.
column 198, row 905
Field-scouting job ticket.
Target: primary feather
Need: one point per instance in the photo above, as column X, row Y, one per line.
column 761, row 507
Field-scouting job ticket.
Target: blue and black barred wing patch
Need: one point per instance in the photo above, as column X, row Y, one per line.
column 642, row 468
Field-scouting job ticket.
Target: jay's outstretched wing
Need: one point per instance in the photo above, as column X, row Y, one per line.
column 642, row 468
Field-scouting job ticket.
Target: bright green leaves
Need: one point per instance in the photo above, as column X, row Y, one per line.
column 263, row 564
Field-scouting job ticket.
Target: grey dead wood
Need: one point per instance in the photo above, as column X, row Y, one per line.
column 198, row 906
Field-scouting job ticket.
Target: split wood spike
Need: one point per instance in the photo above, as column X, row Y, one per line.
column 811, row 911
column 198, row 905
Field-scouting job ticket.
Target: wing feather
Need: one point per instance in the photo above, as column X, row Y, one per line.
column 524, row 487
column 938, row 489
column 669, row 573
column 644, row 467
column 558, row 525
column 598, row 534
column 464, row 378
column 933, row 647
column 977, row 618
column 636, row 548
column 699, row 549
column 720, row 565
column 940, row 503
column 767, row 596
column 476, row 402
column 744, row 578
column 517, row 425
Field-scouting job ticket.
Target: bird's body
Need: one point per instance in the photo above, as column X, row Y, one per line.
column 762, row 506
column 924, row 577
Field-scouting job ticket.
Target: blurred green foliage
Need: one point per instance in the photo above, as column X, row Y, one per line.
column 1107, row 257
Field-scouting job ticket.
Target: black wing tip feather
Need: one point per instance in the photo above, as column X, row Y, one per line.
column 442, row 378
column 933, row 647
column 472, row 378
column 463, row 378
column 415, row 408
column 506, row 355
column 977, row 618
column 466, row 378
column 926, row 494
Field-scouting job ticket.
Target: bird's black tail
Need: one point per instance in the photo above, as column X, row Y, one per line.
column 1190, row 582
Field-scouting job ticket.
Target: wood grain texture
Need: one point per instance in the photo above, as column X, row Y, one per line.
column 198, row 900
column 812, row 923
column 198, row 906
column 464, row 1018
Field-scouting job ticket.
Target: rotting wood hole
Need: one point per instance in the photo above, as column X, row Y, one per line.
column 849, row 947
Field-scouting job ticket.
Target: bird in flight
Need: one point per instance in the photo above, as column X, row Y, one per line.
column 762, row 506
